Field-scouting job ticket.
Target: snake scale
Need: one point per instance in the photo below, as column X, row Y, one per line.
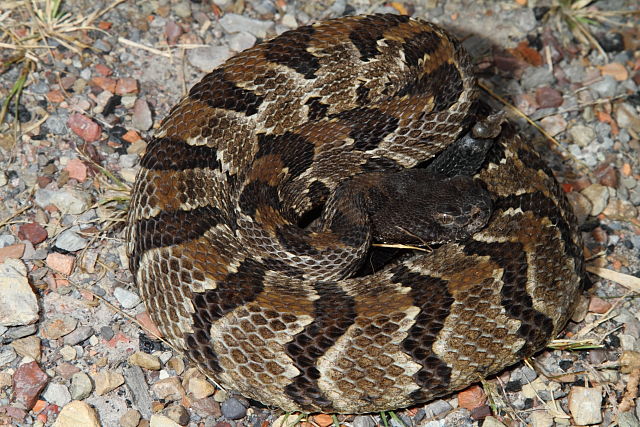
column 259, row 198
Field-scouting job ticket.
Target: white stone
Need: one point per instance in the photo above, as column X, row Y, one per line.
column 18, row 303
column 126, row 298
column 208, row 57
column 234, row 23
column 241, row 41
column 67, row 201
column 71, row 241
column 57, row 394
column 585, row 405
column 158, row 420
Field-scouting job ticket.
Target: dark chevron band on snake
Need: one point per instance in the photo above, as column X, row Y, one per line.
column 258, row 200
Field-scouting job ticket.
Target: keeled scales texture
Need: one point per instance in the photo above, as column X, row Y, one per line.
column 267, row 307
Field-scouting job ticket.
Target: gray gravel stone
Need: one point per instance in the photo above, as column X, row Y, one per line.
column 437, row 408
column 627, row 117
column 534, row 77
column 18, row 303
column 57, row 125
column 605, row 87
column 582, row 135
column 102, row 45
column 524, row 374
column 141, row 119
column 233, row 409
column 79, row 335
column 581, row 205
column 7, row 355
column 21, row 331
column 627, row 419
column 363, row 421
column 7, row 240
column 128, row 160
column 70, row 241
column 106, row 332
column 241, row 41
column 264, row 7
column 81, row 386
column 598, row 195
column 182, row 9
column 57, row 394
column 126, row 298
column 137, row 384
column 234, row 23
column 68, row 201
column 575, row 71
column 209, row 57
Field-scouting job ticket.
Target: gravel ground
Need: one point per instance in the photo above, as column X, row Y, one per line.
column 72, row 351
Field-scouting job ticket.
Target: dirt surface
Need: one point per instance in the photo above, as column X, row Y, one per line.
column 72, row 343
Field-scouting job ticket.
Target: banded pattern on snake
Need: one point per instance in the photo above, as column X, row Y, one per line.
column 253, row 216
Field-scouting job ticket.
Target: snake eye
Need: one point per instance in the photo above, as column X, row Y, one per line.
column 444, row 218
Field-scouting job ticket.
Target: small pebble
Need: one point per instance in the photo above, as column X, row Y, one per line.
column 28, row 381
column 585, row 405
column 79, row 335
column 68, row 353
column 7, row 355
column 582, row 135
column 182, row 9
column 28, row 346
column 81, row 386
column 131, row 418
column 77, row 413
column 178, row 413
column 77, row 170
column 126, row 298
column 233, row 23
column 241, row 41
column 142, row 119
column 581, row 206
column 209, row 57
column 32, row 232
column 144, row 360
column 200, row 388
column 364, row 421
column 472, row 397
column 71, row 241
column 598, row 195
column 233, row 409
column 57, row 394
column 60, row 263
column 168, row 389
column 106, row 332
column 126, row 86
column 18, row 305
column 57, row 328
column 84, row 127
column 605, row 87
column 158, row 420
column 107, row 380
column 220, row 396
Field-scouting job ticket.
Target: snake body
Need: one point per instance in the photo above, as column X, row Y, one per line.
column 250, row 243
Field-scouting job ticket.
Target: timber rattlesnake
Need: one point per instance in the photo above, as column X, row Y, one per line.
column 261, row 193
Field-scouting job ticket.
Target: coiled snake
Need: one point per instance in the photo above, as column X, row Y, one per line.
column 253, row 216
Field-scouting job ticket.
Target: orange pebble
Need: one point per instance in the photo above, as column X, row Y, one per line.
column 323, row 420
